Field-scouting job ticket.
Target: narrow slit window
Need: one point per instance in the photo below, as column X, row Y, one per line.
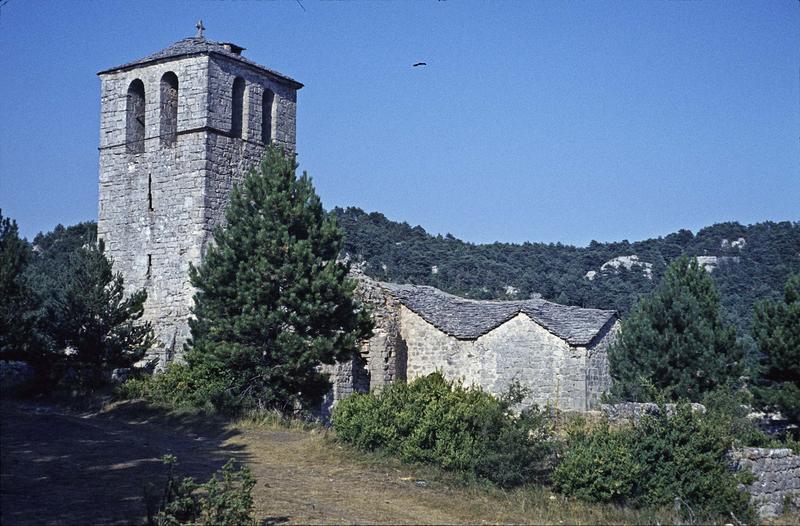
column 149, row 266
column 237, row 107
column 150, row 192
column 266, row 116
column 169, row 109
column 135, row 112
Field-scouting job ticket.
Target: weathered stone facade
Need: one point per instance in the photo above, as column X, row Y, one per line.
column 557, row 353
column 776, row 488
column 169, row 158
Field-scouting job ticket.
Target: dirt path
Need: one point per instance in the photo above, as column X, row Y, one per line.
column 65, row 468
column 60, row 468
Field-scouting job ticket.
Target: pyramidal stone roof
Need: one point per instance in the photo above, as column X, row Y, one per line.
column 199, row 45
column 469, row 319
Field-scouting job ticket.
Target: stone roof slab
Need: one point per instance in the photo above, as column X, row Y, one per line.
column 199, row 45
column 468, row 319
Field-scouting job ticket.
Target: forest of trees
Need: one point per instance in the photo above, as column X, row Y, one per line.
column 393, row 251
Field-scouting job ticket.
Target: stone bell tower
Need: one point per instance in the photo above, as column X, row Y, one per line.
column 178, row 129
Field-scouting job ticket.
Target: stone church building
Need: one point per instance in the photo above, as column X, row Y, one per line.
column 558, row 353
column 180, row 127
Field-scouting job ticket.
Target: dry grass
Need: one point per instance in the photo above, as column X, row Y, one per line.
column 306, row 477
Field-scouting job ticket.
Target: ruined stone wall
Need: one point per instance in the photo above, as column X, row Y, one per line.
column 777, row 485
column 518, row 350
column 157, row 208
column 598, row 376
column 384, row 352
column 347, row 377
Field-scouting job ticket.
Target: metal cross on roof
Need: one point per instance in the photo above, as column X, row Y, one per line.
column 200, row 28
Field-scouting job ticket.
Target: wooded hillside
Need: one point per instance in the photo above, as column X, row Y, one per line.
column 748, row 263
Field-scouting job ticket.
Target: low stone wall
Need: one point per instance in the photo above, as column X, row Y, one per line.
column 633, row 411
column 777, row 485
column 777, row 471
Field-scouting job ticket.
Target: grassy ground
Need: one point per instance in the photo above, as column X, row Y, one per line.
column 62, row 467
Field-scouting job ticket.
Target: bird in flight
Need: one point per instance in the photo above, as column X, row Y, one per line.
column 419, row 64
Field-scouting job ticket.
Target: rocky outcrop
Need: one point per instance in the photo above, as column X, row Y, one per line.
column 627, row 262
column 710, row 263
column 739, row 244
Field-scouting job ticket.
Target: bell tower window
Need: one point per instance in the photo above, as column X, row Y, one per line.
column 237, row 107
column 266, row 116
column 169, row 108
column 134, row 122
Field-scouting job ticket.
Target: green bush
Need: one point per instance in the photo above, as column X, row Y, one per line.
column 181, row 386
column 727, row 412
column 460, row 429
column 655, row 461
column 225, row 499
column 599, row 466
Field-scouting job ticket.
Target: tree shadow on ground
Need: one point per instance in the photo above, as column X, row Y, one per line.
column 271, row 521
column 60, row 467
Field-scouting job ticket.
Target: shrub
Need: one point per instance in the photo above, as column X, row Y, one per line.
column 599, row 466
column 793, row 444
column 686, row 457
column 658, row 459
column 727, row 412
column 460, row 429
column 225, row 499
column 180, row 386
column 357, row 420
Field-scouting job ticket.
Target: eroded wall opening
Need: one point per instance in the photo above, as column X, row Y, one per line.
column 135, row 111
column 266, row 116
column 169, row 109
column 361, row 376
column 237, row 107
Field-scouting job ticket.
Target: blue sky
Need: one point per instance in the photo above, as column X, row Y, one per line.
column 534, row 121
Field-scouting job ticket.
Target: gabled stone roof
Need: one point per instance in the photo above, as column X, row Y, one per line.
column 468, row 319
column 200, row 46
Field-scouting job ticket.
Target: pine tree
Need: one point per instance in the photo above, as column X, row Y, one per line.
column 96, row 320
column 48, row 275
column 272, row 302
column 776, row 330
column 676, row 340
column 17, row 301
